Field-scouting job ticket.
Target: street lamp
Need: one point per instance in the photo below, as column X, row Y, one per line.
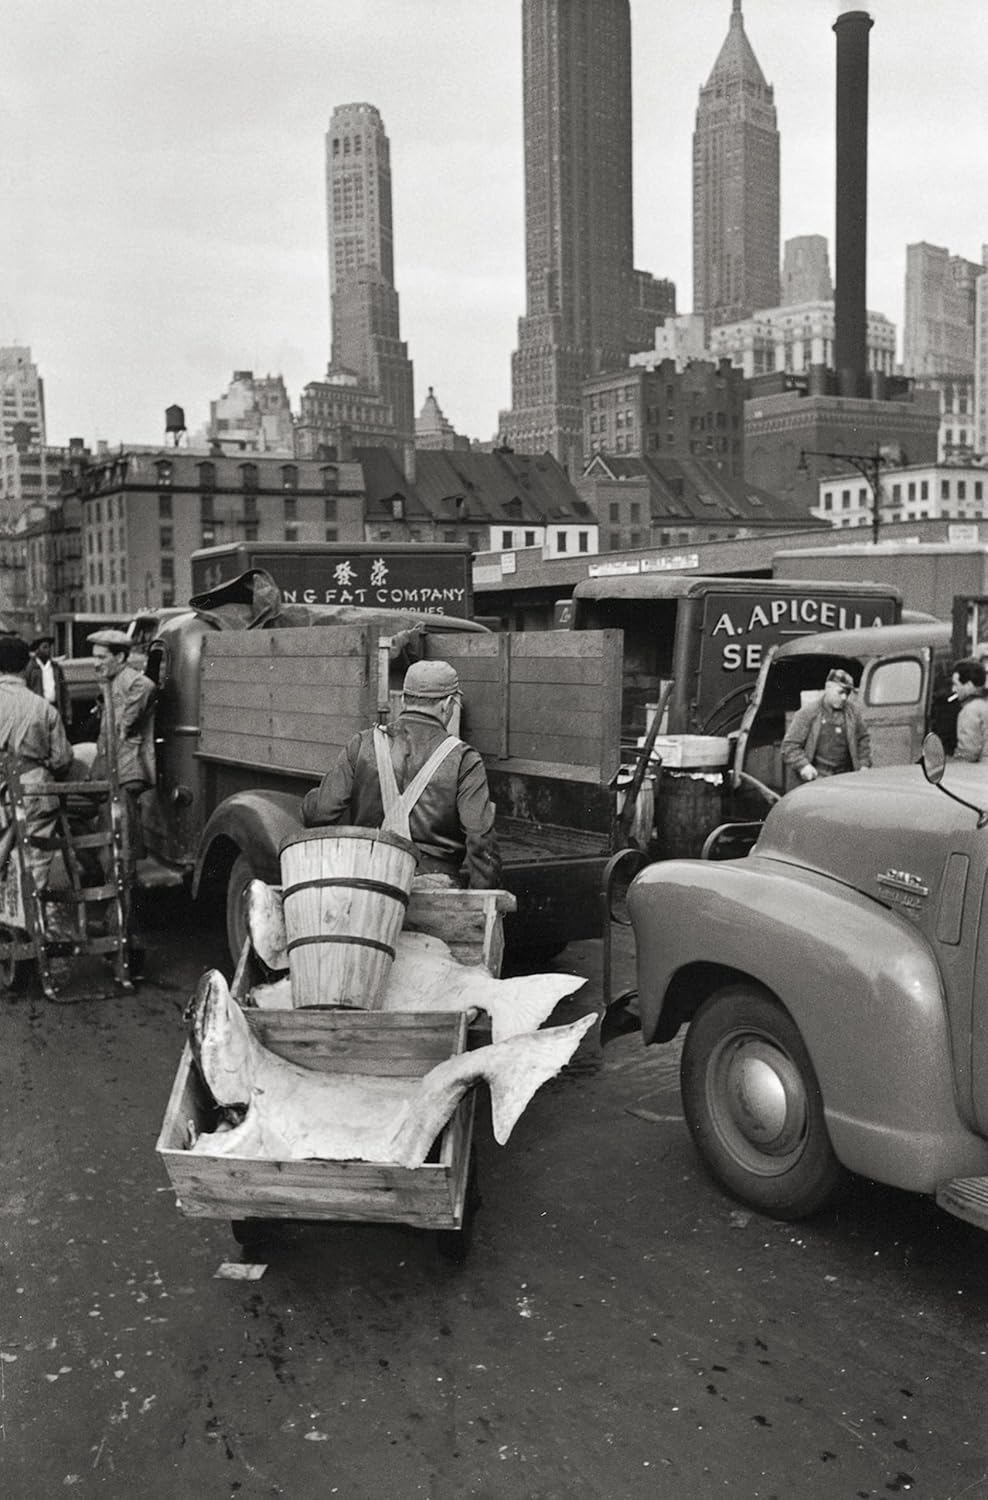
column 867, row 464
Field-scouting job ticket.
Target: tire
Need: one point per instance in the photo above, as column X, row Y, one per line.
column 242, row 872
column 753, row 1105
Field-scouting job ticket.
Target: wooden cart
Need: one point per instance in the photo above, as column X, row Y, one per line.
column 441, row 1195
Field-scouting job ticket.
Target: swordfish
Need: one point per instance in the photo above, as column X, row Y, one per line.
column 292, row 1113
column 424, row 976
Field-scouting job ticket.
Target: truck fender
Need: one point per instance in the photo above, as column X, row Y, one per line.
column 252, row 823
column 860, row 983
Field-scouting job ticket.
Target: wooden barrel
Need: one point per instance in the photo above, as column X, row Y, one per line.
column 345, row 891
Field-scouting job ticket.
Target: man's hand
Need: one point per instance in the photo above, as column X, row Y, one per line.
column 809, row 773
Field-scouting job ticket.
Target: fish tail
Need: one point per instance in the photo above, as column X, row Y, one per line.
column 521, row 1005
column 516, row 1069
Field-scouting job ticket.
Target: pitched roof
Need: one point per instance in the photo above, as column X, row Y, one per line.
column 498, row 486
column 736, row 60
column 689, row 489
column 384, row 481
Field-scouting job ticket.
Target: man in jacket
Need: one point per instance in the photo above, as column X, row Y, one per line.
column 968, row 686
column 32, row 732
column 451, row 822
column 828, row 737
column 132, row 698
column 46, row 678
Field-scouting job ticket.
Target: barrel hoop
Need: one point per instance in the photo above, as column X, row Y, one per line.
column 339, row 937
column 354, row 883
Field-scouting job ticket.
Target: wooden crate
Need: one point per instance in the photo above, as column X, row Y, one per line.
column 470, row 923
column 343, row 1041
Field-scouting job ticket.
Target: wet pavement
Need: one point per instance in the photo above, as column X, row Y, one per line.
column 620, row 1329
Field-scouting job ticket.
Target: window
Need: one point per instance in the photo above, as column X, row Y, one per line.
column 164, row 507
column 529, row 538
column 289, row 477
column 845, row 499
column 978, row 486
column 291, row 508
column 207, row 476
column 208, row 535
column 615, row 510
column 924, row 489
column 636, row 538
column 506, row 537
column 897, row 681
column 583, row 541
column 163, row 468
column 562, row 542
column 635, row 511
column 329, row 509
column 962, row 489
column 331, row 533
column 166, row 538
column 614, row 541
column 250, row 507
column 248, row 476
column 168, row 570
column 945, row 489
column 911, row 491
column 291, row 531
column 330, row 479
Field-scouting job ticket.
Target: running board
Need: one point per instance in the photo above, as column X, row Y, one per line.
column 966, row 1198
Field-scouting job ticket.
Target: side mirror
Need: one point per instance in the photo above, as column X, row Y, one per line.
column 933, row 759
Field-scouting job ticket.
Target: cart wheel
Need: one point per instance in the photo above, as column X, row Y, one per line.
column 454, row 1244
column 14, row 972
column 251, row 1234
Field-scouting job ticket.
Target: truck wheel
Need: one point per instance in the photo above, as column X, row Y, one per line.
column 242, row 873
column 754, row 1107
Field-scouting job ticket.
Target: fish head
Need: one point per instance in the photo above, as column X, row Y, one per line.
column 221, row 1041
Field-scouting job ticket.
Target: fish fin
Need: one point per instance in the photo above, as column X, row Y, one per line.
column 522, row 1065
column 265, row 914
column 523, row 1004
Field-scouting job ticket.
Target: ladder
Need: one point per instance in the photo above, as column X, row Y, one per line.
column 37, row 927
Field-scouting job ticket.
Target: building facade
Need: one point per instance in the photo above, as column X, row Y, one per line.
column 939, row 330
column 434, row 430
column 806, row 270
column 735, row 186
column 916, row 492
column 795, row 339
column 981, row 358
column 578, row 216
column 253, row 415
column 697, row 412
column 144, row 514
column 364, row 310
column 22, row 396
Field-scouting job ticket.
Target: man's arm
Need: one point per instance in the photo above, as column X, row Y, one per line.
column 476, row 814
column 329, row 802
column 794, row 744
column 863, row 740
column 60, row 751
column 137, row 702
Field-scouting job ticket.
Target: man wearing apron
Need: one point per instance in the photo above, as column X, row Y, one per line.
column 417, row 780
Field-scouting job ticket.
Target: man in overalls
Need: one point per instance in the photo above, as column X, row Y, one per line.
column 420, row 781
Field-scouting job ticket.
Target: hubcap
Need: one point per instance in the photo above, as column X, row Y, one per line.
column 757, row 1102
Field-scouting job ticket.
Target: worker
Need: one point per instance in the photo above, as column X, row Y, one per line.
column 32, row 731
column 46, row 677
column 828, row 737
column 417, row 779
column 968, row 688
column 132, row 697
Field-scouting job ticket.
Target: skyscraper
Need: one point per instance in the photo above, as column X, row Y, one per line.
column 938, row 338
column 735, row 186
column 576, row 57
column 363, row 301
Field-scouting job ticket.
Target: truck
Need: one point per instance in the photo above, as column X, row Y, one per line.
column 247, row 721
column 831, row 984
column 427, row 578
column 929, row 574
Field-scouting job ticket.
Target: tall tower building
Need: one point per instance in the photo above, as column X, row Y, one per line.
column 735, row 186
column 22, row 395
column 938, row 336
column 363, row 302
column 576, row 59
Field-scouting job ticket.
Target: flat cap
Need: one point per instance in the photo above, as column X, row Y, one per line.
column 431, row 679
column 117, row 640
column 837, row 674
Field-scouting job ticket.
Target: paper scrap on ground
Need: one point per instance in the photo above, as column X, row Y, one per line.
column 233, row 1270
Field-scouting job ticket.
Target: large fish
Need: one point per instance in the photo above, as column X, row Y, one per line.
column 294, row 1113
column 424, row 976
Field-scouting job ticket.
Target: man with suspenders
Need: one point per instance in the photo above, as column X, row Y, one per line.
column 418, row 780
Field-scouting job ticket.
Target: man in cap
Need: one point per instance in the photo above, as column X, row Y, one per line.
column 446, row 810
column 968, row 688
column 828, row 737
column 32, row 731
column 132, row 698
column 46, row 678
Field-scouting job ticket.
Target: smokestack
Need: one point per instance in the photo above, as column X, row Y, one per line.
column 850, row 316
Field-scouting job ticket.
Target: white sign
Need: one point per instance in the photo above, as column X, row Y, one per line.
column 486, row 573
column 509, row 563
column 962, row 533
column 673, row 564
column 613, row 569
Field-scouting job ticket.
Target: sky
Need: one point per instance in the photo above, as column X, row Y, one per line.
column 162, row 187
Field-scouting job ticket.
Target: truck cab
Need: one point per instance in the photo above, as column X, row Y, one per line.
column 832, row 988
